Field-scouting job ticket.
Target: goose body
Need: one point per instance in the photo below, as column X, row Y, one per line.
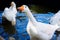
column 38, row 30
column 7, row 13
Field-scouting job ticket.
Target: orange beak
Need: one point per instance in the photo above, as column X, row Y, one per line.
column 21, row 8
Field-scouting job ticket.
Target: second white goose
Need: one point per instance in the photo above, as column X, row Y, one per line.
column 9, row 21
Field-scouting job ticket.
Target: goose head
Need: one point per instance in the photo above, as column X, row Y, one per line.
column 23, row 8
column 27, row 11
column 13, row 4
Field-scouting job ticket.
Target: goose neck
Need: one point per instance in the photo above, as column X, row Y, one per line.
column 30, row 16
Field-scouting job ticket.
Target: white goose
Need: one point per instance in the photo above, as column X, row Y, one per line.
column 9, row 20
column 38, row 30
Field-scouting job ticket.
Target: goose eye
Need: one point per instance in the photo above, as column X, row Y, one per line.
column 25, row 6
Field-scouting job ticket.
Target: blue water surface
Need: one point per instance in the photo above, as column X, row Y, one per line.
column 21, row 23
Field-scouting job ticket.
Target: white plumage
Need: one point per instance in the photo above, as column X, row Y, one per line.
column 10, row 13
